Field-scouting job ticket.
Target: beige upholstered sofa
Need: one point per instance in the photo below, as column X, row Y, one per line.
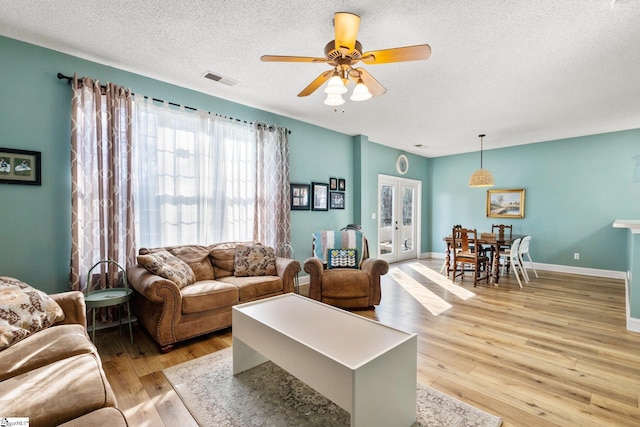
column 53, row 376
column 178, row 307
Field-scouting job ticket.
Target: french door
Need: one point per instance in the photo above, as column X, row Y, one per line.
column 398, row 218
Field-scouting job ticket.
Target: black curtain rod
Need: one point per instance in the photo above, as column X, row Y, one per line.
column 70, row 79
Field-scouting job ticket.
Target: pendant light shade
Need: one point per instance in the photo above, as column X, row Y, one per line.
column 334, row 100
column 335, row 86
column 481, row 177
column 360, row 92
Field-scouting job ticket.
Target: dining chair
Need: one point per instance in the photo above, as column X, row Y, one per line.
column 444, row 264
column 501, row 232
column 501, row 229
column 512, row 258
column 463, row 240
column 524, row 250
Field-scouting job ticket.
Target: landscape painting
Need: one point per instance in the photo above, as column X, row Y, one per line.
column 505, row 203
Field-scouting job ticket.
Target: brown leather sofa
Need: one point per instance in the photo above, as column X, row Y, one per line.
column 171, row 314
column 55, row 376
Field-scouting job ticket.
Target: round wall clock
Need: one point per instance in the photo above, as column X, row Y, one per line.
column 402, row 164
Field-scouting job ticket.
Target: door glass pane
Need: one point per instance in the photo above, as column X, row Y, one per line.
column 386, row 230
column 407, row 230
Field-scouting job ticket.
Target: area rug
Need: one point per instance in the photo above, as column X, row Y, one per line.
column 269, row 396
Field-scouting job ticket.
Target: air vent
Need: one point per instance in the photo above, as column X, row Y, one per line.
column 220, row 79
column 420, row 146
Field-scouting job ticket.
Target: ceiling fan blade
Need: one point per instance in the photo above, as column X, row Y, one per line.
column 372, row 84
column 346, row 27
column 280, row 58
column 319, row 81
column 398, row 54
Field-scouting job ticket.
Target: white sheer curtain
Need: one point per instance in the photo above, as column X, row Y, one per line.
column 195, row 176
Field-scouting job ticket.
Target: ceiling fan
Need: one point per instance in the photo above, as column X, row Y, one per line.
column 342, row 54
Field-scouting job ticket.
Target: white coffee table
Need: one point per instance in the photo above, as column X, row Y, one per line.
column 363, row 366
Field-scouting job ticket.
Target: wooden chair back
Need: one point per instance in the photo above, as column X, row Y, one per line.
column 464, row 239
column 502, row 228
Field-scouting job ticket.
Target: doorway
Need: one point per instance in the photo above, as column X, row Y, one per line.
column 398, row 218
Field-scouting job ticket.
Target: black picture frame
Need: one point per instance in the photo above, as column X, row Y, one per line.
column 300, row 197
column 342, row 184
column 20, row 167
column 333, row 184
column 319, row 196
column 336, row 200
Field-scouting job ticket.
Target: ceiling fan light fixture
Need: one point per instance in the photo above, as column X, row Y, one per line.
column 334, row 100
column 360, row 92
column 335, row 86
column 481, row 177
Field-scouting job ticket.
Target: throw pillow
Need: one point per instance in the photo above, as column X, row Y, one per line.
column 24, row 311
column 254, row 260
column 343, row 258
column 164, row 264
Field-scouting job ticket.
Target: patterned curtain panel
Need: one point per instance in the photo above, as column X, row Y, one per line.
column 101, row 186
column 272, row 226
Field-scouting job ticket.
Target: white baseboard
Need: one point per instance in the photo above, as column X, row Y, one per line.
column 633, row 324
column 611, row 274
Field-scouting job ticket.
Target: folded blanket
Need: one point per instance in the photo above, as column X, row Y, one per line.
column 347, row 239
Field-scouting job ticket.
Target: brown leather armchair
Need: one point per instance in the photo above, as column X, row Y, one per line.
column 347, row 287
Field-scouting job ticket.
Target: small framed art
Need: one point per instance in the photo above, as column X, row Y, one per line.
column 342, row 185
column 333, row 184
column 19, row 167
column 300, row 197
column 319, row 196
column 402, row 164
column 336, row 200
column 505, row 203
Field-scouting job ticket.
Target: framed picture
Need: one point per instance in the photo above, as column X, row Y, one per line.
column 19, row 167
column 342, row 185
column 402, row 164
column 505, row 203
column 336, row 201
column 300, row 197
column 319, row 196
column 333, row 184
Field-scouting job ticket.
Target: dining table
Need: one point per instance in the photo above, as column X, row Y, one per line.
column 494, row 242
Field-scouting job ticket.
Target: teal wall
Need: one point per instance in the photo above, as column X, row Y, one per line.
column 35, row 115
column 575, row 188
column 380, row 159
column 633, row 270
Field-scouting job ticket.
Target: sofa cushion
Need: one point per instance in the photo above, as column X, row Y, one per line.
column 345, row 283
column 254, row 286
column 197, row 257
column 342, row 258
column 165, row 264
column 208, row 295
column 45, row 347
column 58, row 392
column 111, row 417
column 223, row 256
column 24, row 311
column 254, row 260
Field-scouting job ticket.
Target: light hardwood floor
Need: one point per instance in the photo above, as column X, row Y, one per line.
column 555, row 353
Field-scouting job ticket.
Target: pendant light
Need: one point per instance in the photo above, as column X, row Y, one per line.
column 360, row 92
column 481, row 177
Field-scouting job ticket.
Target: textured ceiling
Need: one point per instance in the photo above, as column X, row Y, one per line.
column 521, row 71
